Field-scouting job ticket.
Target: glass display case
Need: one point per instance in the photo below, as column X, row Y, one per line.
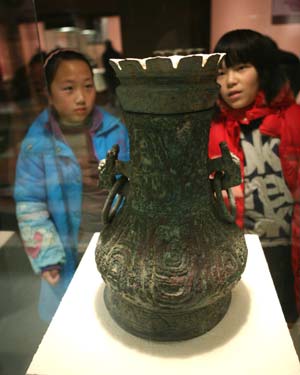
column 29, row 31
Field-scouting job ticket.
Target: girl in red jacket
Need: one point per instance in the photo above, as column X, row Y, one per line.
column 258, row 118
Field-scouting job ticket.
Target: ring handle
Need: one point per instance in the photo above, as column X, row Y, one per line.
column 109, row 210
column 225, row 214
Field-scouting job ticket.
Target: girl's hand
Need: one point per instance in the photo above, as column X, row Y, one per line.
column 51, row 276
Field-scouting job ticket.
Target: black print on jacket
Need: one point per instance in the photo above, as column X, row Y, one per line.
column 268, row 202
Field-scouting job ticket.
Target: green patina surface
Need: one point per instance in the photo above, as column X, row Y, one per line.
column 169, row 262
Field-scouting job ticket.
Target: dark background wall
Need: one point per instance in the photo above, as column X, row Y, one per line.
column 146, row 25
column 156, row 25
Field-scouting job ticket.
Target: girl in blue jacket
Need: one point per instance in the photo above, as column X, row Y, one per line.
column 58, row 203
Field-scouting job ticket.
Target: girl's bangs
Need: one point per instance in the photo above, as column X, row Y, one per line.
column 235, row 56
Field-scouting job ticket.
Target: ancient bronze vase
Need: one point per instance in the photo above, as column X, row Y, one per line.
column 170, row 253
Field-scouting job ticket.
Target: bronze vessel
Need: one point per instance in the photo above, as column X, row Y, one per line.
column 169, row 252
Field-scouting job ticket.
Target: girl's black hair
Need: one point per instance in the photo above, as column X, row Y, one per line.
column 54, row 59
column 249, row 46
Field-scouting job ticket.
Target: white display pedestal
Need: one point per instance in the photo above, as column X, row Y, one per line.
column 253, row 337
column 5, row 236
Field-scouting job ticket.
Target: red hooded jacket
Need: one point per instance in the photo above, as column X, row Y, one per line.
column 281, row 119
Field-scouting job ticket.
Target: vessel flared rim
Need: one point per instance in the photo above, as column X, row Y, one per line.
column 175, row 59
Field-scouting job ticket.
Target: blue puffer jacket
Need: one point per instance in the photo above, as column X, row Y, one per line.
column 48, row 191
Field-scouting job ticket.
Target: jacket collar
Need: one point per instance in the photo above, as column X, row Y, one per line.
column 260, row 108
column 270, row 113
column 94, row 126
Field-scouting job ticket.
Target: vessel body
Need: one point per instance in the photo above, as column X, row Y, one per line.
column 168, row 259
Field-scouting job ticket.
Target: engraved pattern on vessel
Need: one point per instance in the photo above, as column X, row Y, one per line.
column 169, row 262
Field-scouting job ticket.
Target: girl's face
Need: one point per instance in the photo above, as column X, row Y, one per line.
column 239, row 84
column 72, row 92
